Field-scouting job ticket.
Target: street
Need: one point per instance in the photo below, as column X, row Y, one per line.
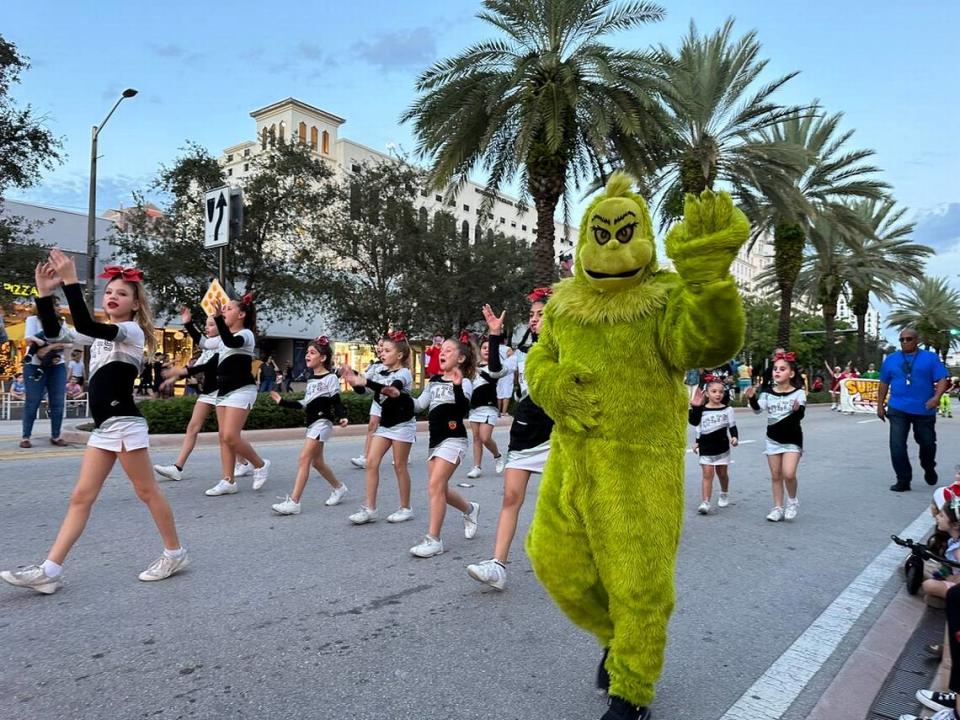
column 310, row 617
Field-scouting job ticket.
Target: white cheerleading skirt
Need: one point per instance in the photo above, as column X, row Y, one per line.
column 505, row 387
column 242, row 398
column 320, row 430
column 485, row 414
column 375, row 409
column 208, row 398
column 121, row 433
column 532, row 460
column 404, row 432
column 723, row 459
column 452, row 450
column 775, row 448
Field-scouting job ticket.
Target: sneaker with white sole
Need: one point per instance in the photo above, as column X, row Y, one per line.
column 360, row 462
column 428, row 547
column 947, row 714
column 400, row 515
column 163, row 567
column 170, row 472
column 704, row 508
column 475, row 472
column 501, row 462
column 261, row 474
column 364, row 515
column 491, row 572
column 775, row 515
column 724, row 500
column 33, row 577
column 224, row 487
column 336, row 496
column 242, row 469
column 287, row 507
column 790, row 511
column 937, row 700
column 470, row 521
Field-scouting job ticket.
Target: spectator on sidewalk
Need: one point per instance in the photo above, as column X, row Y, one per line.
column 75, row 368
column 18, row 390
column 432, row 356
column 288, row 377
column 44, row 374
column 75, row 389
column 268, row 375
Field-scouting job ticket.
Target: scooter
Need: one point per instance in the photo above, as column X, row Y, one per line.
column 913, row 567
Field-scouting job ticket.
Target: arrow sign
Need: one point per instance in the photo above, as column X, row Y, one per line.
column 217, row 218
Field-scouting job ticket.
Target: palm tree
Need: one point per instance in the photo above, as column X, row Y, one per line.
column 548, row 99
column 932, row 307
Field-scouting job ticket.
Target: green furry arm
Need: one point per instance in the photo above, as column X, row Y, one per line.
column 564, row 390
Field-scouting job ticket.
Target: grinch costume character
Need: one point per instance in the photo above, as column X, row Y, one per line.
column 608, row 369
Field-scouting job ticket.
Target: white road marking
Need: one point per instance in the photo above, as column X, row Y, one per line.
column 864, row 422
column 775, row 691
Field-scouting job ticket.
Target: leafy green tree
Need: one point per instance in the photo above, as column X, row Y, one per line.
column 931, row 306
column 548, row 100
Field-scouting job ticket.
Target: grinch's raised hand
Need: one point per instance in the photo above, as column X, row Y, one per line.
column 705, row 243
column 494, row 322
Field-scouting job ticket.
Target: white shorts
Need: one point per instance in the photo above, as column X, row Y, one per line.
column 505, row 387
column 484, row 414
column 532, row 460
column 723, row 459
column 242, row 398
column 123, row 433
column 404, row 432
column 775, row 448
column 452, row 450
column 320, row 430
column 375, row 409
column 208, row 398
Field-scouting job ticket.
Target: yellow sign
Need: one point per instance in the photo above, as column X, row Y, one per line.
column 859, row 395
column 215, row 293
column 21, row 290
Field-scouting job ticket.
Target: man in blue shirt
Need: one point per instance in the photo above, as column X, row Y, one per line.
column 916, row 379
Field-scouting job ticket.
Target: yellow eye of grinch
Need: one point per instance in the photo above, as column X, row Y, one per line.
column 601, row 235
column 625, row 234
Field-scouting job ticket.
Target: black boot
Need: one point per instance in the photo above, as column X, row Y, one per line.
column 603, row 677
column 620, row 709
column 900, row 486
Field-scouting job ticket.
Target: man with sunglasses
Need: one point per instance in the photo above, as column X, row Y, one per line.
column 915, row 379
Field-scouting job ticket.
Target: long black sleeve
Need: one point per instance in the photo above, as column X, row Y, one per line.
column 197, row 368
column 800, row 412
column 339, row 409
column 229, row 339
column 754, row 403
column 48, row 316
column 193, row 331
column 493, row 353
column 292, row 404
column 695, row 414
column 462, row 402
column 734, row 433
column 82, row 320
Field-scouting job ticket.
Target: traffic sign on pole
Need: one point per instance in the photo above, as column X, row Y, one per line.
column 216, row 218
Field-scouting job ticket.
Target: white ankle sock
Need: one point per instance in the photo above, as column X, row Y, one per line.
column 174, row 554
column 51, row 569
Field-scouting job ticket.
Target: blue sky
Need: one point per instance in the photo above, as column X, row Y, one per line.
column 201, row 68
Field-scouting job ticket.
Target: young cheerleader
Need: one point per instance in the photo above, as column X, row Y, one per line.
column 323, row 408
column 448, row 397
column 236, row 392
column 484, row 412
column 716, row 433
column 371, row 372
column 396, row 430
column 785, row 403
column 528, row 449
column 120, row 432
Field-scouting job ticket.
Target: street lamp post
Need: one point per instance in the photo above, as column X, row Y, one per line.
column 89, row 291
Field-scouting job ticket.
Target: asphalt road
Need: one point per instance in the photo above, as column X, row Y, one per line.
column 310, row 617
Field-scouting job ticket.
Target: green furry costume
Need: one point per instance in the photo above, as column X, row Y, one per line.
column 608, row 368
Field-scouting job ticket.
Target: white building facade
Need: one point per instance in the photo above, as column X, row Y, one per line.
column 872, row 324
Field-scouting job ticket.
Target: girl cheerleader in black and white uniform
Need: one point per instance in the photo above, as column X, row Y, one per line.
column 484, row 411
column 373, row 423
column 528, row 449
column 716, row 433
column 323, row 407
column 236, row 392
column 447, row 396
column 396, row 429
column 120, row 432
column 785, row 403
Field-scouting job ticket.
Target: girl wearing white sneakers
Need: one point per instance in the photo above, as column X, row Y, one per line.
column 120, row 432
column 716, row 433
column 373, row 423
column 236, row 392
column 484, row 412
column 785, row 403
column 323, row 408
column 396, row 430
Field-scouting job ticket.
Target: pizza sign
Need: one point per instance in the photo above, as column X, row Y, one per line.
column 215, row 294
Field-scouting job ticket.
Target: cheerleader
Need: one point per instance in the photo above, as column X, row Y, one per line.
column 323, row 408
column 120, row 432
column 448, row 398
column 236, row 392
column 396, row 429
column 529, row 444
column 372, row 370
column 785, row 403
column 716, row 433
column 484, row 412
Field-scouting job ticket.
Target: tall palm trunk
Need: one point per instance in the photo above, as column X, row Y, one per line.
column 546, row 179
column 830, row 328
column 860, row 305
column 788, row 242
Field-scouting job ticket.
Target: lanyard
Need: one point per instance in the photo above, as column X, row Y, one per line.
column 908, row 367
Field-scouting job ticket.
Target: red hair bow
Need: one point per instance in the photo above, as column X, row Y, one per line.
column 398, row 336
column 788, row 356
column 323, row 340
column 540, row 294
column 710, row 377
column 465, row 337
column 247, row 299
column 112, row 272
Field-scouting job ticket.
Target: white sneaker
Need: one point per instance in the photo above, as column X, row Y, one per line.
column 937, row 700
column 33, row 577
column 776, row 515
column 490, row 572
column 242, row 469
column 704, row 508
column 287, row 507
column 163, row 567
column 170, row 472
column 401, row 515
column 428, row 547
column 724, row 500
column 224, row 487
column 501, row 463
column 364, row 515
column 475, row 473
column 470, row 521
column 941, row 715
column 360, row 462
column 790, row 512
column 261, row 474
column 336, row 495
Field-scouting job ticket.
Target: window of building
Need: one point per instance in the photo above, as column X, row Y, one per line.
column 283, row 130
column 355, row 168
column 230, row 157
column 466, row 208
column 302, row 132
column 438, row 198
column 489, row 216
column 273, row 135
column 423, row 218
column 503, row 221
column 465, row 231
column 523, row 227
column 513, row 224
column 246, row 167
column 424, row 193
column 314, row 137
column 246, row 152
column 326, row 143
column 229, row 172
column 477, row 233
